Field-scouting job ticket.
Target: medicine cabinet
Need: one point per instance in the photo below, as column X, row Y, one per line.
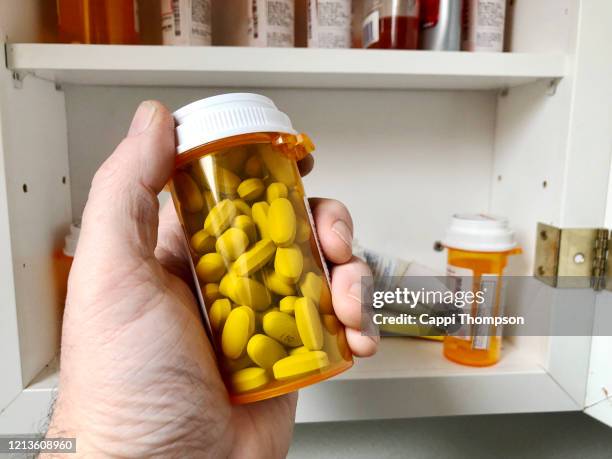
column 405, row 139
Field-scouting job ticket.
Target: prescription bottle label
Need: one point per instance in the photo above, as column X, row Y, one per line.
column 186, row 22
column 271, row 23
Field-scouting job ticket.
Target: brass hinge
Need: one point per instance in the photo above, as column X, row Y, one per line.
column 573, row 257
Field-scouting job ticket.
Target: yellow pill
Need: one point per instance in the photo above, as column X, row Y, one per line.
column 238, row 328
column 255, row 258
column 260, row 217
column 253, row 167
column 299, row 350
column 249, row 379
column 282, row 328
column 259, row 315
column 218, row 312
column 249, row 292
column 226, row 182
column 297, row 199
column 246, row 224
column 233, row 365
column 265, row 351
column 276, row 190
column 302, row 230
column 289, row 262
column 311, row 287
column 226, row 286
column 187, row 192
column 300, row 364
column 251, row 189
column 211, row 292
column 309, row 324
column 281, row 168
column 233, row 159
column 209, row 199
column 281, row 222
column 242, row 207
column 287, row 304
column 278, row 284
column 210, row 267
column 232, row 243
column 220, row 217
column 202, row 242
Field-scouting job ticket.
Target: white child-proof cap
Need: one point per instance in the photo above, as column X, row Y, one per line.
column 227, row 115
column 479, row 233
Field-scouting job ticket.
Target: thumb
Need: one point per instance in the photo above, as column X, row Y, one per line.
column 121, row 215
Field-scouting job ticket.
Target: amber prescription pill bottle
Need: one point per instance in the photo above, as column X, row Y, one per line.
column 263, row 284
column 478, row 250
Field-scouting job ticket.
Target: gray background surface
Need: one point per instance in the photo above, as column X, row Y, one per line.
column 562, row 436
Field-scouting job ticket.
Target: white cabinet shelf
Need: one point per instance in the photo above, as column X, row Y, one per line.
column 281, row 67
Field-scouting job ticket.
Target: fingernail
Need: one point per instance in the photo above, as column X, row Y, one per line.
column 142, row 118
column 354, row 291
column 343, row 232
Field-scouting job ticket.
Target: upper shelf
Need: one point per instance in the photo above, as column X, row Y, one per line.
column 281, row 67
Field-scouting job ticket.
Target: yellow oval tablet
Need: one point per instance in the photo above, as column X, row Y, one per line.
column 187, row 192
column 255, row 258
column 299, row 350
column 233, row 158
column 289, row 262
column 302, row 230
column 246, row 224
column 251, row 189
column 226, row 286
column 218, row 312
column 242, row 207
column 287, row 304
column 226, row 182
column 238, row 328
column 311, row 287
column 282, row 328
column 220, row 217
column 249, row 378
column 300, row 364
column 265, row 351
column 281, row 168
column 281, row 222
column 210, row 267
column 309, row 324
column 276, row 190
column 232, row 243
column 259, row 213
column 211, row 292
column 202, row 242
column 253, row 167
column 249, row 292
column 278, row 284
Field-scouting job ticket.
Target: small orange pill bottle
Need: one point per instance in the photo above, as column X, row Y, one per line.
column 263, row 285
column 478, row 250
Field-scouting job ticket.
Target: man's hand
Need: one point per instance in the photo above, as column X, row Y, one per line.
column 138, row 377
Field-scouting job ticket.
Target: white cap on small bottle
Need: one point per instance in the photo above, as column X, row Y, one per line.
column 71, row 240
column 479, row 233
column 227, row 115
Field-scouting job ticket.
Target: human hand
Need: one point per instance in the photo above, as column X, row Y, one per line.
column 138, row 377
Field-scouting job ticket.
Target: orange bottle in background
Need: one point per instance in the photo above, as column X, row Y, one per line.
column 478, row 250
column 98, row 21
